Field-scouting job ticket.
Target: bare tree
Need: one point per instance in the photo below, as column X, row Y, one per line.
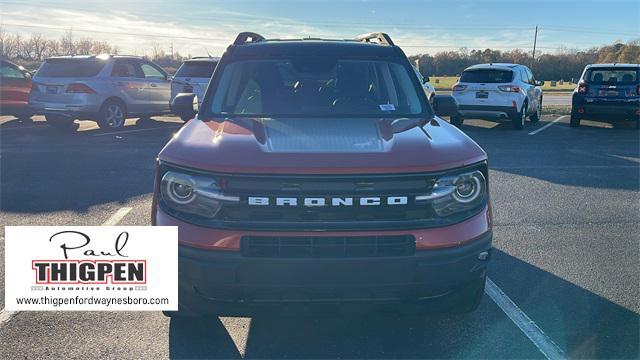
column 67, row 47
column 83, row 46
column 37, row 46
column 101, row 47
column 53, row 48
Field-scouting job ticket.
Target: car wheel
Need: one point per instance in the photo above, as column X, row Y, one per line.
column 518, row 120
column 186, row 118
column 456, row 121
column 61, row 123
column 469, row 298
column 112, row 115
column 574, row 120
column 535, row 117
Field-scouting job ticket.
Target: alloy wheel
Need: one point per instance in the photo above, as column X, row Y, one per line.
column 114, row 116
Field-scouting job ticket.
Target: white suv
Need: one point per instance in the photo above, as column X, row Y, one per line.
column 428, row 89
column 499, row 91
column 193, row 77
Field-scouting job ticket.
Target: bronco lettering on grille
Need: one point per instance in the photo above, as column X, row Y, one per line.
column 327, row 201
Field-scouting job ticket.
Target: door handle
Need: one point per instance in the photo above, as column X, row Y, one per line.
column 153, row 85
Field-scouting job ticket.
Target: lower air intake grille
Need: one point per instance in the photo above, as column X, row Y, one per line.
column 327, row 247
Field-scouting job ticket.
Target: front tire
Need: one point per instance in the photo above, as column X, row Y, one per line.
column 112, row 115
column 61, row 123
column 518, row 119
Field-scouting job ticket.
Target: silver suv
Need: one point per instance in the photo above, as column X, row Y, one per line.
column 105, row 88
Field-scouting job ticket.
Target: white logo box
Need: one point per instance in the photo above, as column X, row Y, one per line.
column 103, row 268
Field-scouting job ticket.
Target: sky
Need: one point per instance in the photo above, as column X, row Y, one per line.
column 206, row 27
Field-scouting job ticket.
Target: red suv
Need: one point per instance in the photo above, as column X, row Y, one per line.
column 317, row 173
column 15, row 86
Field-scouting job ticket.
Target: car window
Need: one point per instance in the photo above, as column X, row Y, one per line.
column 151, row 72
column 612, row 76
column 523, row 75
column 126, row 69
column 196, row 69
column 486, row 76
column 8, row 71
column 71, row 67
column 322, row 86
column 531, row 79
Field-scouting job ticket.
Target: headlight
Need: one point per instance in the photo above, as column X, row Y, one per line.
column 193, row 194
column 457, row 193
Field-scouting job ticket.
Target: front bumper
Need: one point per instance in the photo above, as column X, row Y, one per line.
column 228, row 283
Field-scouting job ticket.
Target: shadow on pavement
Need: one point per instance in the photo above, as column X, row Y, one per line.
column 583, row 324
column 204, row 338
column 79, row 170
column 588, row 156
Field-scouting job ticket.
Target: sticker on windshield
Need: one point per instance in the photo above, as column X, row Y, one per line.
column 387, row 107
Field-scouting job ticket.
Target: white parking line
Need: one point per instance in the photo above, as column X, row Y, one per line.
column 117, row 216
column 133, row 131
column 548, row 125
column 546, row 346
column 5, row 316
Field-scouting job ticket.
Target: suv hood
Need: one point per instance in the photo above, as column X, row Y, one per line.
column 319, row 146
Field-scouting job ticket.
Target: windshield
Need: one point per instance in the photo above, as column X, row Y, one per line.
column 71, row 68
column 612, row 76
column 316, row 87
column 486, row 76
column 196, row 69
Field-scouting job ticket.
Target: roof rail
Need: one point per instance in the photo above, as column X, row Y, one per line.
column 243, row 38
column 381, row 37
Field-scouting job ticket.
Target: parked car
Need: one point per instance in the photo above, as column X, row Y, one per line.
column 316, row 172
column 429, row 90
column 607, row 92
column 105, row 88
column 15, row 85
column 193, row 77
column 499, row 91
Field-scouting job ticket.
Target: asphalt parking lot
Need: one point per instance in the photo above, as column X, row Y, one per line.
column 567, row 238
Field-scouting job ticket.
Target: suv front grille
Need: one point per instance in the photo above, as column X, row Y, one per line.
column 271, row 217
column 327, row 247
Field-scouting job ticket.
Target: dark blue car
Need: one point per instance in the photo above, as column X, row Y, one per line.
column 607, row 92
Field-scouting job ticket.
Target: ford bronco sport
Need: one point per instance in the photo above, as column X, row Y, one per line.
column 317, row 173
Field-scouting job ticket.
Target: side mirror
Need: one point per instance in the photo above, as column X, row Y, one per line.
column 426, row 79
column 539, row 83
column 28, row 75
column 185, row 105
column 445, row 105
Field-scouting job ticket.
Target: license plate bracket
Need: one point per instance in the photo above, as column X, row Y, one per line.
column 609, row 93
column 482, row 94
column 52, row 89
